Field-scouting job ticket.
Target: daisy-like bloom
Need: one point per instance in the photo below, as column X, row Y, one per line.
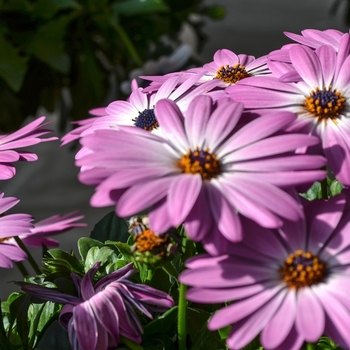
column 291, row 285
column 51, row 226
column 321, row 99
column 138, row 110
column 203, row 170
column 12, row 225
column 283, row 68
column 226, row 69
column 104, row 311
column 29, row 135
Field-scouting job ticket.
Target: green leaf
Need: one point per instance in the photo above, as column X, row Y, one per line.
column 46, row 9
column 112, row 228
column 55, row 338
column 315, row 192
column 163, row 324
column 201, row 336
column 12, row 66
column 102, row 255
column 48, row 46
column 70, row 260
column 139, row 7
column 85, row 244
column 336, row 188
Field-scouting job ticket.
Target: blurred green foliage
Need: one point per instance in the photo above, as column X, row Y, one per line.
column 48, row 45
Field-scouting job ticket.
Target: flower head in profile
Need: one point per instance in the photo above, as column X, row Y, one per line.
column 12, row 225
column 205, row 171
column 321, row 99
column 51, row 226
column 104, row 311
column 28, row 135
column 289, row 285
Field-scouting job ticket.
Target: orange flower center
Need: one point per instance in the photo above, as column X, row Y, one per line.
column 231, row 74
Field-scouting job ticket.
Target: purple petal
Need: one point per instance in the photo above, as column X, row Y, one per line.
column 310, row 318
column 183, row 193
column 142, row 196
column 307, row 65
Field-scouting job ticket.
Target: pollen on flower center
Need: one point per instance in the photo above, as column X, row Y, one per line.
column 325, row 104
column 231, row 74
column 303, row 269
column 200, row 162
column 148, row 241
column 146, row 120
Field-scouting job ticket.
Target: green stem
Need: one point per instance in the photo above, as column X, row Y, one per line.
column 30, row 257
column 182, row 314
column 22, row 269
column 129, row 45
column 324, row 189
column 130, row 344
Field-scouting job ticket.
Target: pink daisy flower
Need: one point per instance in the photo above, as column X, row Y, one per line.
column 29, row 135
column 203, row 171
column 289, row 286
column 51, row 226
column 279, row 61
column 321, row 99
column 12, row 225
column 105, row 311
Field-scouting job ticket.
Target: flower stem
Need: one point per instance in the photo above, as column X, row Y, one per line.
column 130, row 344
column 22, row 269
column 129, row 45
column 324, row 189
column 30, row 257
column 182, row 314
column 182, row 310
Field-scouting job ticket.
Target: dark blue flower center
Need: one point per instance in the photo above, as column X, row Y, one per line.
column 146, row 120
column 303, row 269
column 325, row 104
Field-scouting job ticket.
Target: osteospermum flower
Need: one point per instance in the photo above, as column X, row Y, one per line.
column 279, row 61
column 226, row 69
column 12, row 225
column 203, row 170
column 103, row 312
column 290, row 285
column 321, row 99
column 51, row 226
column 29, row 135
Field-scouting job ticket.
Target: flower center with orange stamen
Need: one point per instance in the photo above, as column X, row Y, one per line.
column 148, row 241
column 231, row 74
column 146, row 120
column 200, row 162
column 303, row 269
column 325, row 104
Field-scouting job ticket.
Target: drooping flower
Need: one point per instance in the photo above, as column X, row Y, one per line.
column 28, row 135
column 203, row 170
column 290, row 285
column 321, row 99
column 51, row 226
column 104, row 311
column 12, row 225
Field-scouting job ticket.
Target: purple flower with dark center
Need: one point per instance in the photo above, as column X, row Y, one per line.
column 321, row 99
column 28, row 135
column 289, row 285
column 12, row 225
column 104, row 311
column 205, row 171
